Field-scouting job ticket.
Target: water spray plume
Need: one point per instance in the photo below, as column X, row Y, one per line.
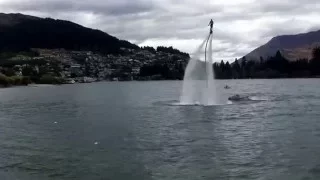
column 198, row 83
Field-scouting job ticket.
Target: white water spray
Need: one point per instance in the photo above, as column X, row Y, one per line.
column 198, row 83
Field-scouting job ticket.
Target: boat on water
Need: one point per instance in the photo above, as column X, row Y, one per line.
column 237, row 97
column 227, row 87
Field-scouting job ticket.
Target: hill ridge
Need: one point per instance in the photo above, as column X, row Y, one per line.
column 286, row 43
column 20, row 32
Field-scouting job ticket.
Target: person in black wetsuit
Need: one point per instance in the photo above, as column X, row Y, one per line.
column 211, row 24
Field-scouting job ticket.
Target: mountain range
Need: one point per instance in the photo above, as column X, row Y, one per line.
column 292, row 47
column 21, row 32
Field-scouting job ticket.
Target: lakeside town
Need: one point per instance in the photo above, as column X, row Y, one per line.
column 60, row 66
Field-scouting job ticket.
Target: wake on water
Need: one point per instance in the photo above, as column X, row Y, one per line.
column 252, row 98
column 198, row 82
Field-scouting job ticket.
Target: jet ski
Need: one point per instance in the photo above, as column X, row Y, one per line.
column 237, row 97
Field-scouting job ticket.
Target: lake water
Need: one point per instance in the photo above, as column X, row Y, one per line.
column 131, row 131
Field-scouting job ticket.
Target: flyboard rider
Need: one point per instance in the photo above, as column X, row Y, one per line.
column 211, row 24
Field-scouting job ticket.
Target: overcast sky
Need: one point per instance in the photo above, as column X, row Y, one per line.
column 240, row 25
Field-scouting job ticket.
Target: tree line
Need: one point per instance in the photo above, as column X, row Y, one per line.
column 162, row 72
column 169, row 50
column 276, row 66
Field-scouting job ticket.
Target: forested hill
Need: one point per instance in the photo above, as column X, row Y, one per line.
column 22, row 32
column 276, row 66
column 293, row 47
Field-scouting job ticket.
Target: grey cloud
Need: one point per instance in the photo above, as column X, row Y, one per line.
column 314, row 28
column 34, row 5
column 285, row 28
column 170, row 31
column 155, row 25
column 278, row 7
column 140, row 20
column 125, row 7
column 107, row 7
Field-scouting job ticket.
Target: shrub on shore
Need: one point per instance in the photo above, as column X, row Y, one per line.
column 13, row 80
column 49, row 79
column 4, row 80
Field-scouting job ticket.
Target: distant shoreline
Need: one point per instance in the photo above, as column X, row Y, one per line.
column 48, row 85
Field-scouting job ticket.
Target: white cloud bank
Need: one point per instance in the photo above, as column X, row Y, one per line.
column 240, row 25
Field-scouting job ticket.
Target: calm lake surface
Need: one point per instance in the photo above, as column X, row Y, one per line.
column 131, row 131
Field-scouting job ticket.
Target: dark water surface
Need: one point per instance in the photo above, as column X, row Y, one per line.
column 129, row 131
